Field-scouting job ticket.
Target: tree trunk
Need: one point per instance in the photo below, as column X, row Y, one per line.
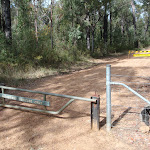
column 105, row 34
column 35, row 21
column 0, row 20
column 128, row 33
column 72, row 19
column 93, row 33
column 3, row 17
column 88, row 33
column 6, row 17
column 52, row 45
column 134, row 23
column 105, row 27
column 122, row 27
column 148, row 24
column 101, row 31
column 88, row 38
column 93, row 30
column 110, row 24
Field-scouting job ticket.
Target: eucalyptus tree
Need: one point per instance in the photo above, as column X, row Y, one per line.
column 94, row 9
column 83, row 17
column 134, row 23
column 110, row 33
column 0, row 18
column 52, row 7
column 146, row 7
column 105, row 25
column 72, row 17
column 6, row 19
column 36, row 3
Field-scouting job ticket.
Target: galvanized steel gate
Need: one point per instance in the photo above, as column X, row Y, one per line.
column 108, row 96
column 128, row 112
column 95, row 103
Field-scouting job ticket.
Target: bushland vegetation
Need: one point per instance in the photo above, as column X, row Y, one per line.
column 38, row 36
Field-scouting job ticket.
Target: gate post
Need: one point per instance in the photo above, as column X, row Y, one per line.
column 95, row 111
column 108, row 97
column 2, row 90
column 3, row 99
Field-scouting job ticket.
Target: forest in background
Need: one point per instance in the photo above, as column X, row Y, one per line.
column 35, row 33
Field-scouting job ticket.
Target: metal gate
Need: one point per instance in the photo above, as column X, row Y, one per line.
column 94, row 100
column 125, row 106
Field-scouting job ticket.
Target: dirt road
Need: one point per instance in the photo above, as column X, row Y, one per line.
column 21, row 130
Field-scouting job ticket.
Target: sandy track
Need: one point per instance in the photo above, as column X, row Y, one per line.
column 21, row 130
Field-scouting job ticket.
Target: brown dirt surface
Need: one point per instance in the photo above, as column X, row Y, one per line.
column 70, row 130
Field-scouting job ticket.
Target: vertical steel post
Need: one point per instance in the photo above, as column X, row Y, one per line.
column 108, row 97
column 95, row 113
column 45, row 100
column 3, row 99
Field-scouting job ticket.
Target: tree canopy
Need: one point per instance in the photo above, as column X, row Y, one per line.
column 33, row 32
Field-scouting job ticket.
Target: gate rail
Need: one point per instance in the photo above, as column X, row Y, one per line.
column 108, row 95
